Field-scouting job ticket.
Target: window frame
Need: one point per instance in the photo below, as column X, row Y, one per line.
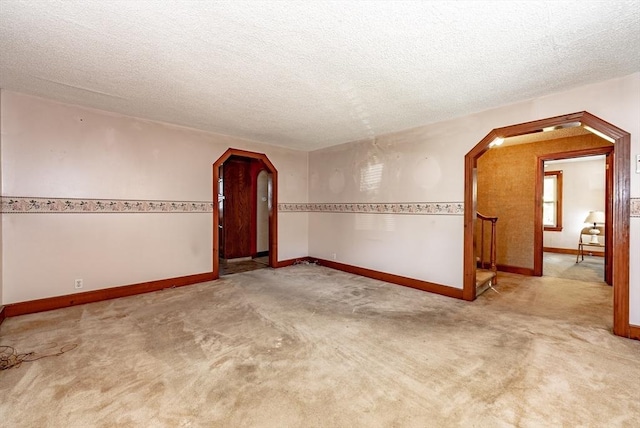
column 558, row 201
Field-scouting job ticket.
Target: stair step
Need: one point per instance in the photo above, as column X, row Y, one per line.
column 484, row 279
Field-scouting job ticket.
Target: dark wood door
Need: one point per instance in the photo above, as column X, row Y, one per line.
column 236, row 222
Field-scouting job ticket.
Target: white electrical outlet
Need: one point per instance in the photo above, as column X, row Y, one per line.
column 78, row 283
column 637, row 164
column 333, row 256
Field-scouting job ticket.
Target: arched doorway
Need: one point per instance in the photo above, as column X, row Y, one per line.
column 618, row 206
column 272, row 211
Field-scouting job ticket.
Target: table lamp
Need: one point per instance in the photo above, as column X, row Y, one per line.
column 595, row 218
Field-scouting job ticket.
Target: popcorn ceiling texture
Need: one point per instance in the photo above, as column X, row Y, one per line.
column 308, row 75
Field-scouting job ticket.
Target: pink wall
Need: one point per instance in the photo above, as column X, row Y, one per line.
column 409, row 186
column 423, row 172
column 55, row 150
column 584, row 191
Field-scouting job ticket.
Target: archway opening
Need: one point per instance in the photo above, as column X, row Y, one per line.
column 266, row 165
column 617, row 227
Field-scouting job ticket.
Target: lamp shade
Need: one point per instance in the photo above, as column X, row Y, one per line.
column 595, row 217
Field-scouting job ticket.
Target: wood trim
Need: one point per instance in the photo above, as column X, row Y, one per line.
column 559, row 187
column 2, row 315
column 618, row 214
column 470, row 210
column 608, row 210
column 571, row 251
column 595, row 151
column 538, row 238
column 289, row 262
column 634, row 332
column 431, row 287
column 273, row 213
column 57, row 302
column 517, row 269
column 618, row 207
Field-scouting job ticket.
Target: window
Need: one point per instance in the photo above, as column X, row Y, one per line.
column 552, row 201
column 370, row 177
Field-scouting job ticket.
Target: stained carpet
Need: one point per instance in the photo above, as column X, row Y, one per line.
column 307, row 346
column 565, row 266
column 231, row 267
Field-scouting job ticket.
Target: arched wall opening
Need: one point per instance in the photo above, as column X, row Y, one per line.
column 267, row 166
column 618, row 206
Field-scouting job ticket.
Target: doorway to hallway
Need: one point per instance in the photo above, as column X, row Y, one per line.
column 617, row 230
column 245, row 215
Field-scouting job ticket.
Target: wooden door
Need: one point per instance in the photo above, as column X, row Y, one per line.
column 236, row 222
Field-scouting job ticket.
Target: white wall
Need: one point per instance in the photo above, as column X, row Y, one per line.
column 55, row 150
column 583, row 185
column 634, row 267
column 426, row 164
column 48, row 151
column 416, row 246
column 1, row 215
column 262, row 215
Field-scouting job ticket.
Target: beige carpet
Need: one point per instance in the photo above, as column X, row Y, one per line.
column 231, row 267
column 565, row 266
column 308, row 346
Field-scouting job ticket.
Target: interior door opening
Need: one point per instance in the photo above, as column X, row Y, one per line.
column 618, row 219
column 245, row 217
column 575, row 186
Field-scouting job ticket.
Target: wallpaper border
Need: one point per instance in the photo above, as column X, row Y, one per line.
column 419, row 208
column 38, row 205
column 31, row 205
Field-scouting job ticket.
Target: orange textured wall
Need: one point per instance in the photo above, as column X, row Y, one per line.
column 506, row 189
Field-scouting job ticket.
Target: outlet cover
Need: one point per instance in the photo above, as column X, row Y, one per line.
column 78, row 283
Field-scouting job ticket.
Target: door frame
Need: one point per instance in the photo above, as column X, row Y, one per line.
column 273, row 212
column 620, row 201
column 538, row 242
column 256, row 204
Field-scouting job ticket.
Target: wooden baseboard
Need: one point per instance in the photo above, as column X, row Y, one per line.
column 515, row 269
column 40, row 305
column 571, row 251
column 47, row 304
column 289, row 262
column 634, row 332
column 394, row 279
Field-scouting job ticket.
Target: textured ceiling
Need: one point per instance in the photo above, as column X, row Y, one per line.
column 310, row 74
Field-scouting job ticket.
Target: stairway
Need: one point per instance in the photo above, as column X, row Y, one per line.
column 484, row 280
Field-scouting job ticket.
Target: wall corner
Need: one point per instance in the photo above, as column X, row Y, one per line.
column 1, row 215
